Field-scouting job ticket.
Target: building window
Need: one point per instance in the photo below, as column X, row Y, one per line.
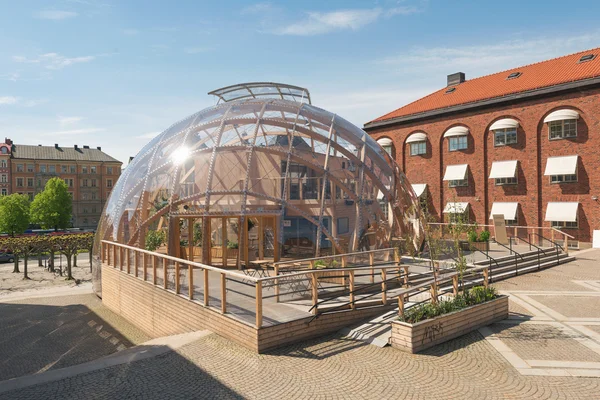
column 93, row 195
column 343, row 225
column 4, row 192
column 64, row 169
column 30, row 168
column 93, row 169
column 459, row 182
column 565, row 224
column 418, row 148
column 85, row 210
column 84, row 170
column 458, row 143
column 511, row 222
column 565, row 128
column 502, row 137
column 93, row 210
column 109, row 170
column 19, row 182
column 84, row 183
column 52, row 169
column 4, row 150
column 19, row 167
column 109, row 183
column 30, row 182
column 43, row 169
column 4, row 164
column 458, row 217
column 30, row 195
column 506, row 181
column 93, row 182
column 85, row 221
column 73, row 169
column 3, row 178
column 563, row 178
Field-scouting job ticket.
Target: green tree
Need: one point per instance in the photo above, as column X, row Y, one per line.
column 14, row 214
column 69, row 245
column 53, row 206
column 155, row 239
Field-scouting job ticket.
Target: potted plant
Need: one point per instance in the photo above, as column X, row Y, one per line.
column 429, row 324
column 481, row 241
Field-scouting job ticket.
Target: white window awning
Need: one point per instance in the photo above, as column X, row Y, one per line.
column 456, row 172
column 385, row 142
column 509, row 210
column 566, row 165
column 417, row 137
column 560, row 115
column 456, row 208
column 503, row 169
column 457, row 131
column 504, row 123
column 562, row 211
column 419, row 188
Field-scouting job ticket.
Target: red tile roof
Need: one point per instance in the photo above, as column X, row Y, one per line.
column 544, row 74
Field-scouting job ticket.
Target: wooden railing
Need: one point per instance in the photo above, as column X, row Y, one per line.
column 149, row 266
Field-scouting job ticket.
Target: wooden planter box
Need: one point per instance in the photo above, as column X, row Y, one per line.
column 413, row 338
column 483, row 246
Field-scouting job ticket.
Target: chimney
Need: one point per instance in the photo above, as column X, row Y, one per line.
column 8, row 141
column 455, row 79
column 99, row 148
column 39, row 145
column 76, row 147
column 130, row 158
column 86, row 147
column 56, row 145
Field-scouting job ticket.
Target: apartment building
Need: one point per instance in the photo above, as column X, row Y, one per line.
column 522, row 143
column 89, row 173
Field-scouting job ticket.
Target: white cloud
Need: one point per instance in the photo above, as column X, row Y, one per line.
column 8, row 100
column 403, row 10
column 486, row 58
column 131, row 32
column 82, row 131
column 34, row 102
column 55, row 14
column 54, row 61
column 149, row 135
column 64, row 121
column 318, row 23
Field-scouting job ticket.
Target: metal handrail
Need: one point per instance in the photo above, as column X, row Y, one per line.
column 491, row 259
column 551, row 241
column 303, row 260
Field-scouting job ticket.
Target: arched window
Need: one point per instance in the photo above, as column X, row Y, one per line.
column 388, row 145
column 562, row 124
column 4, row 150
column 418, row 143
column 505, row 131
column 457, row 138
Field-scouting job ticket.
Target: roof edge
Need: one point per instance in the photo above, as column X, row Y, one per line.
column 548, row 90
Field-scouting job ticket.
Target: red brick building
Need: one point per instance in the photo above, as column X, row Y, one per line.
column 524, row 143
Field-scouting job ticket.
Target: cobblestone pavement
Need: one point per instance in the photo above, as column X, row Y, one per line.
column 334, row 367
column 330, row 368
column 40, row 334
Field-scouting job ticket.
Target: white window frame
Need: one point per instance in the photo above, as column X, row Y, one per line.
column 418, row 148
column 458, row 182
column 506, row 181
column 562, row 130
column 459, row 142
column 565, row 224
column 505, row 133
column 567, row 178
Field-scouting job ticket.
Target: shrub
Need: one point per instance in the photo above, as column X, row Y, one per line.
column 472, row 235
column 475, row 295
column 155, row 239
column 484, row 236
column 232, row 245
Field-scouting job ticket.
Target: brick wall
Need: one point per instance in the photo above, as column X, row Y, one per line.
column 534, row 190
column 159, row 312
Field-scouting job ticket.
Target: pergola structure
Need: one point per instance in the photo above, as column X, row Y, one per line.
column 263, row 173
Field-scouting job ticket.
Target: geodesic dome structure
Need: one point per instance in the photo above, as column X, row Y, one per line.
column 264, row 155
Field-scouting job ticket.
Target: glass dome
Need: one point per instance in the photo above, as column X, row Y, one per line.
column 269, row 175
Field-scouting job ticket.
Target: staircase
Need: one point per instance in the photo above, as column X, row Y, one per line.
column 508, row 266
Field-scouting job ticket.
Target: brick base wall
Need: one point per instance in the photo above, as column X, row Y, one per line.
column 159, row 312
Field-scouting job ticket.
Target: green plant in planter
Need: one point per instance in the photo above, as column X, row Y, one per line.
column 155, row 239
column 472, row 235
column 320, row 264
column 475, row 295
column 232, row 245
column 484, row 236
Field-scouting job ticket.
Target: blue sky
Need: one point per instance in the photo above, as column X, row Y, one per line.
column 114, row 73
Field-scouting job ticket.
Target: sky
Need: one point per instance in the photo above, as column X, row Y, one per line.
column 115, row 73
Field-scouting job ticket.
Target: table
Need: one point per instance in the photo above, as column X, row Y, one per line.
column 260, row 267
